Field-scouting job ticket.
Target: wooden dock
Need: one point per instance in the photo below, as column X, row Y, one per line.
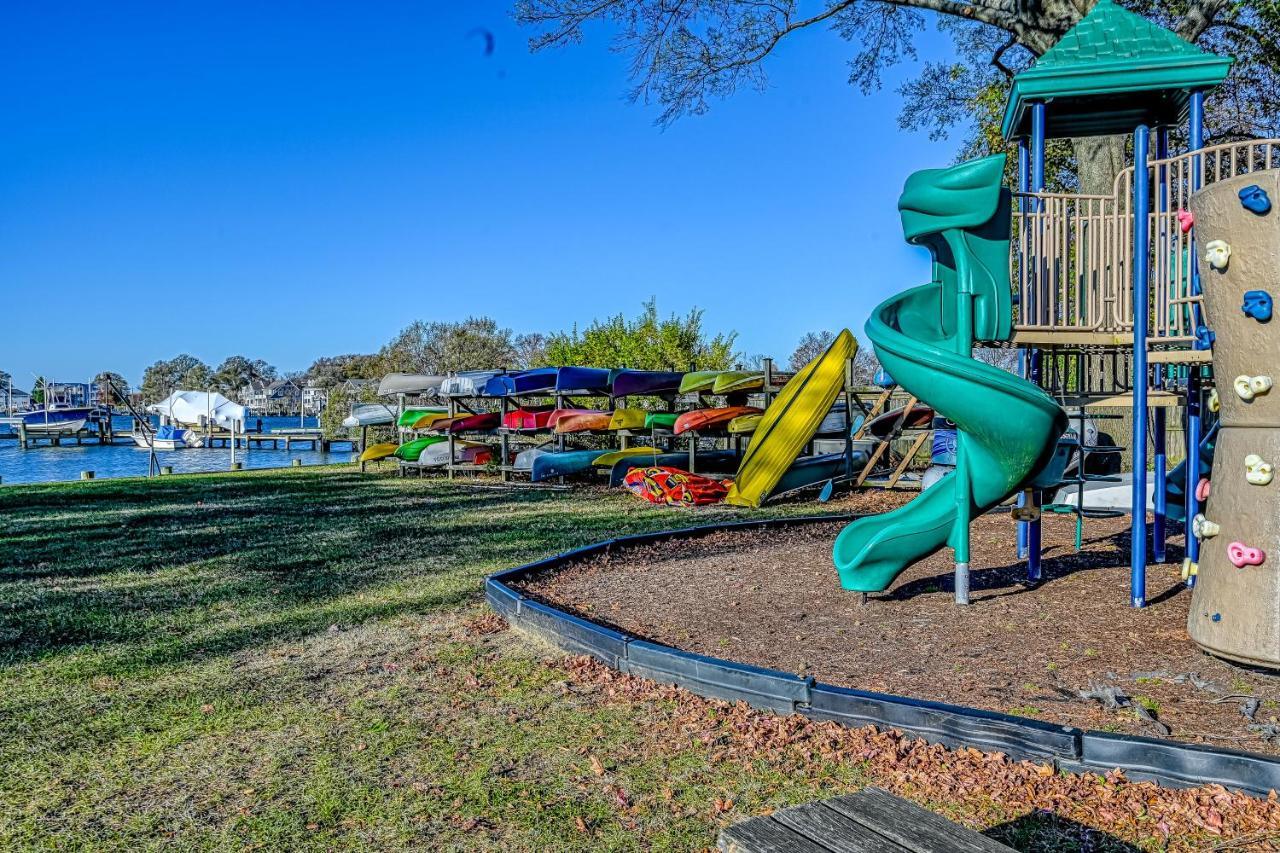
column 312, row 438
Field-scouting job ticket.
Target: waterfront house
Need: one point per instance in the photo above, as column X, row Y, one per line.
column 314, row 398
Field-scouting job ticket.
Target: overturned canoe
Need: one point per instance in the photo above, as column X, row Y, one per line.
column 411, row 451
column 737, row 382
column 374, row 452
column 608, row 460
column 482, row 422
column 429, row 420
column 464, row 452
column 627, row 383
column 628, row 419
column 524, row 382
column 699, row 380
column 529, row 419
column 583, row 422
column 565, row 463
column 583, row 380
column 411, row 415
column 467, row 383
column 660, row 420
column 703, row 420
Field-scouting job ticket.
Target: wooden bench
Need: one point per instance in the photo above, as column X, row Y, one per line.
column 870, row 821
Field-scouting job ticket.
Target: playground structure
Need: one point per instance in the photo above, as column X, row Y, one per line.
column 1107, row 311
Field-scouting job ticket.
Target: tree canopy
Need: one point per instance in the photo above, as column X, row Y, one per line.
column 237, row 371
column 684, row 55
column 647, row 342
column 476, row 343
column 184, row 372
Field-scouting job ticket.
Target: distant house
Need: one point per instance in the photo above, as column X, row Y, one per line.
column 314, row 399
column 353, row 388
column 284, row 397
column 253, row 396
column 14, row 399
column 70, row 393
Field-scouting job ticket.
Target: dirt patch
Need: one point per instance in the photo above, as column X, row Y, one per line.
column 772, row 598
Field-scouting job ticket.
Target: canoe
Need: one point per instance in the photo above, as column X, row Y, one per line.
column 528, row 419
column 524, row 459
column 370, row 414
column 565, row 463
column 744, row 424
column 524, row 382
column 469, row 423
column 564, row 413
column 738, row 381
column 429, row 420
column 410, row 383
column 583, row 422
column 411, row 415
column 465, row 452
column 467, row 383
column 374, row 452
column 882, row 425
column 628, row 419
column 610, row 459
column 699, row 380
column 410, row 451
column 660, row 420
column 792, row 420
column 812, row 470
column 583, row 380
column 711, row 419
column 627, row 383
column 707, row 462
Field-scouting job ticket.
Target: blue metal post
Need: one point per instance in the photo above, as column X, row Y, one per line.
column 1192, row 467
column 1037, row 185
column 1024, row 361
column 1141, row 303
column 1158, row 426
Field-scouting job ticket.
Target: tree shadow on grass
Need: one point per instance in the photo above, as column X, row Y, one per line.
column 276, row 558
column 1038, row 831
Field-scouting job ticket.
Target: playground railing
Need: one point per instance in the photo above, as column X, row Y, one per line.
column 1073, row 253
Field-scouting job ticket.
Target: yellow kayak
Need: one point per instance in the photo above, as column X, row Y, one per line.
column 792, row 419
column 428, row 419
column 374, row 452
column 736, row 381
column 745, row 423
column 628, row 419
column 608, row 460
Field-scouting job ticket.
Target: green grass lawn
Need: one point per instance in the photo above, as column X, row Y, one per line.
column 275, row 658
column 302, row 660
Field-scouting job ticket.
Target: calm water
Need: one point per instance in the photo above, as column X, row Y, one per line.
column 45, row 464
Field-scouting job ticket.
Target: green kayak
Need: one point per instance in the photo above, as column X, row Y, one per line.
column 411, row 450
column 699, row 380
column 660, row 420
column 413, row 414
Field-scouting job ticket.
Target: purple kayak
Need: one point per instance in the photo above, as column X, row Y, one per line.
column 627, row 383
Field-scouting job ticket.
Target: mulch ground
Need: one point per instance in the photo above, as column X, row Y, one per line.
column 1069, row 650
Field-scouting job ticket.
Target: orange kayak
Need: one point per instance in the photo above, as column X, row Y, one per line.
column 711, row 419
column 583, row 422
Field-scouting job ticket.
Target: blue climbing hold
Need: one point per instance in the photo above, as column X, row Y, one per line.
column 1217, row 617
column 883, row 379
column 1204, row 337
column 1257, row 304
column 1255, row 198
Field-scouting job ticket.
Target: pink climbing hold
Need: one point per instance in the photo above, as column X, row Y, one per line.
column 1242, row 555
column 1186, row 219
column 1202, row 489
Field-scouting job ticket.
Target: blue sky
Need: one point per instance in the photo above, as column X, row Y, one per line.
column 289, row 180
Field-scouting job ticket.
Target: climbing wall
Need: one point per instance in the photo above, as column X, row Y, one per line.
column 1235, row 611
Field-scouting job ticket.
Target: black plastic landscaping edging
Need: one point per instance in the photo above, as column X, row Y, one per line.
column 1164, row 761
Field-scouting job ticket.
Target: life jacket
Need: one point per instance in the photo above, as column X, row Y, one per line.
column 673, row 487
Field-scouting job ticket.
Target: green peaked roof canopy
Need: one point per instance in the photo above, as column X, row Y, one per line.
column 1111, row 72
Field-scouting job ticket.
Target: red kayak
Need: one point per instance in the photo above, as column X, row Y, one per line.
column 704, row 420
column 584, row 422
column 468, row 423
column 565, row 413
column 528, row 419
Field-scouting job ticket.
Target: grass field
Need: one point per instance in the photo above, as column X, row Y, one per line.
column 302, row 660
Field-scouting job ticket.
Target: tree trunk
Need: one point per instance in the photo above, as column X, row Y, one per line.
column 1099, row 159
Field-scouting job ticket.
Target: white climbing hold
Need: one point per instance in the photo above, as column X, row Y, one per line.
column 1257, row 470
column 1218, row 254
column 1215, row 402
column 1248, row 387
column 1203, row 528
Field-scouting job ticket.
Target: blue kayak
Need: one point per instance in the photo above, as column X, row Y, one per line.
column 710, row 462
column 524, row 382
column 583, row 380
column 565, row 463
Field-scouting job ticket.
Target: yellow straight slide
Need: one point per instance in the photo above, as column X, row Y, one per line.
column 790, row 421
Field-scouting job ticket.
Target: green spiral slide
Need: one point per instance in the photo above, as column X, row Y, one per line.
column 1008, row 428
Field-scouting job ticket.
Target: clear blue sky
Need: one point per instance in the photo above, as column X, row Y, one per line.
column 295, row 179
